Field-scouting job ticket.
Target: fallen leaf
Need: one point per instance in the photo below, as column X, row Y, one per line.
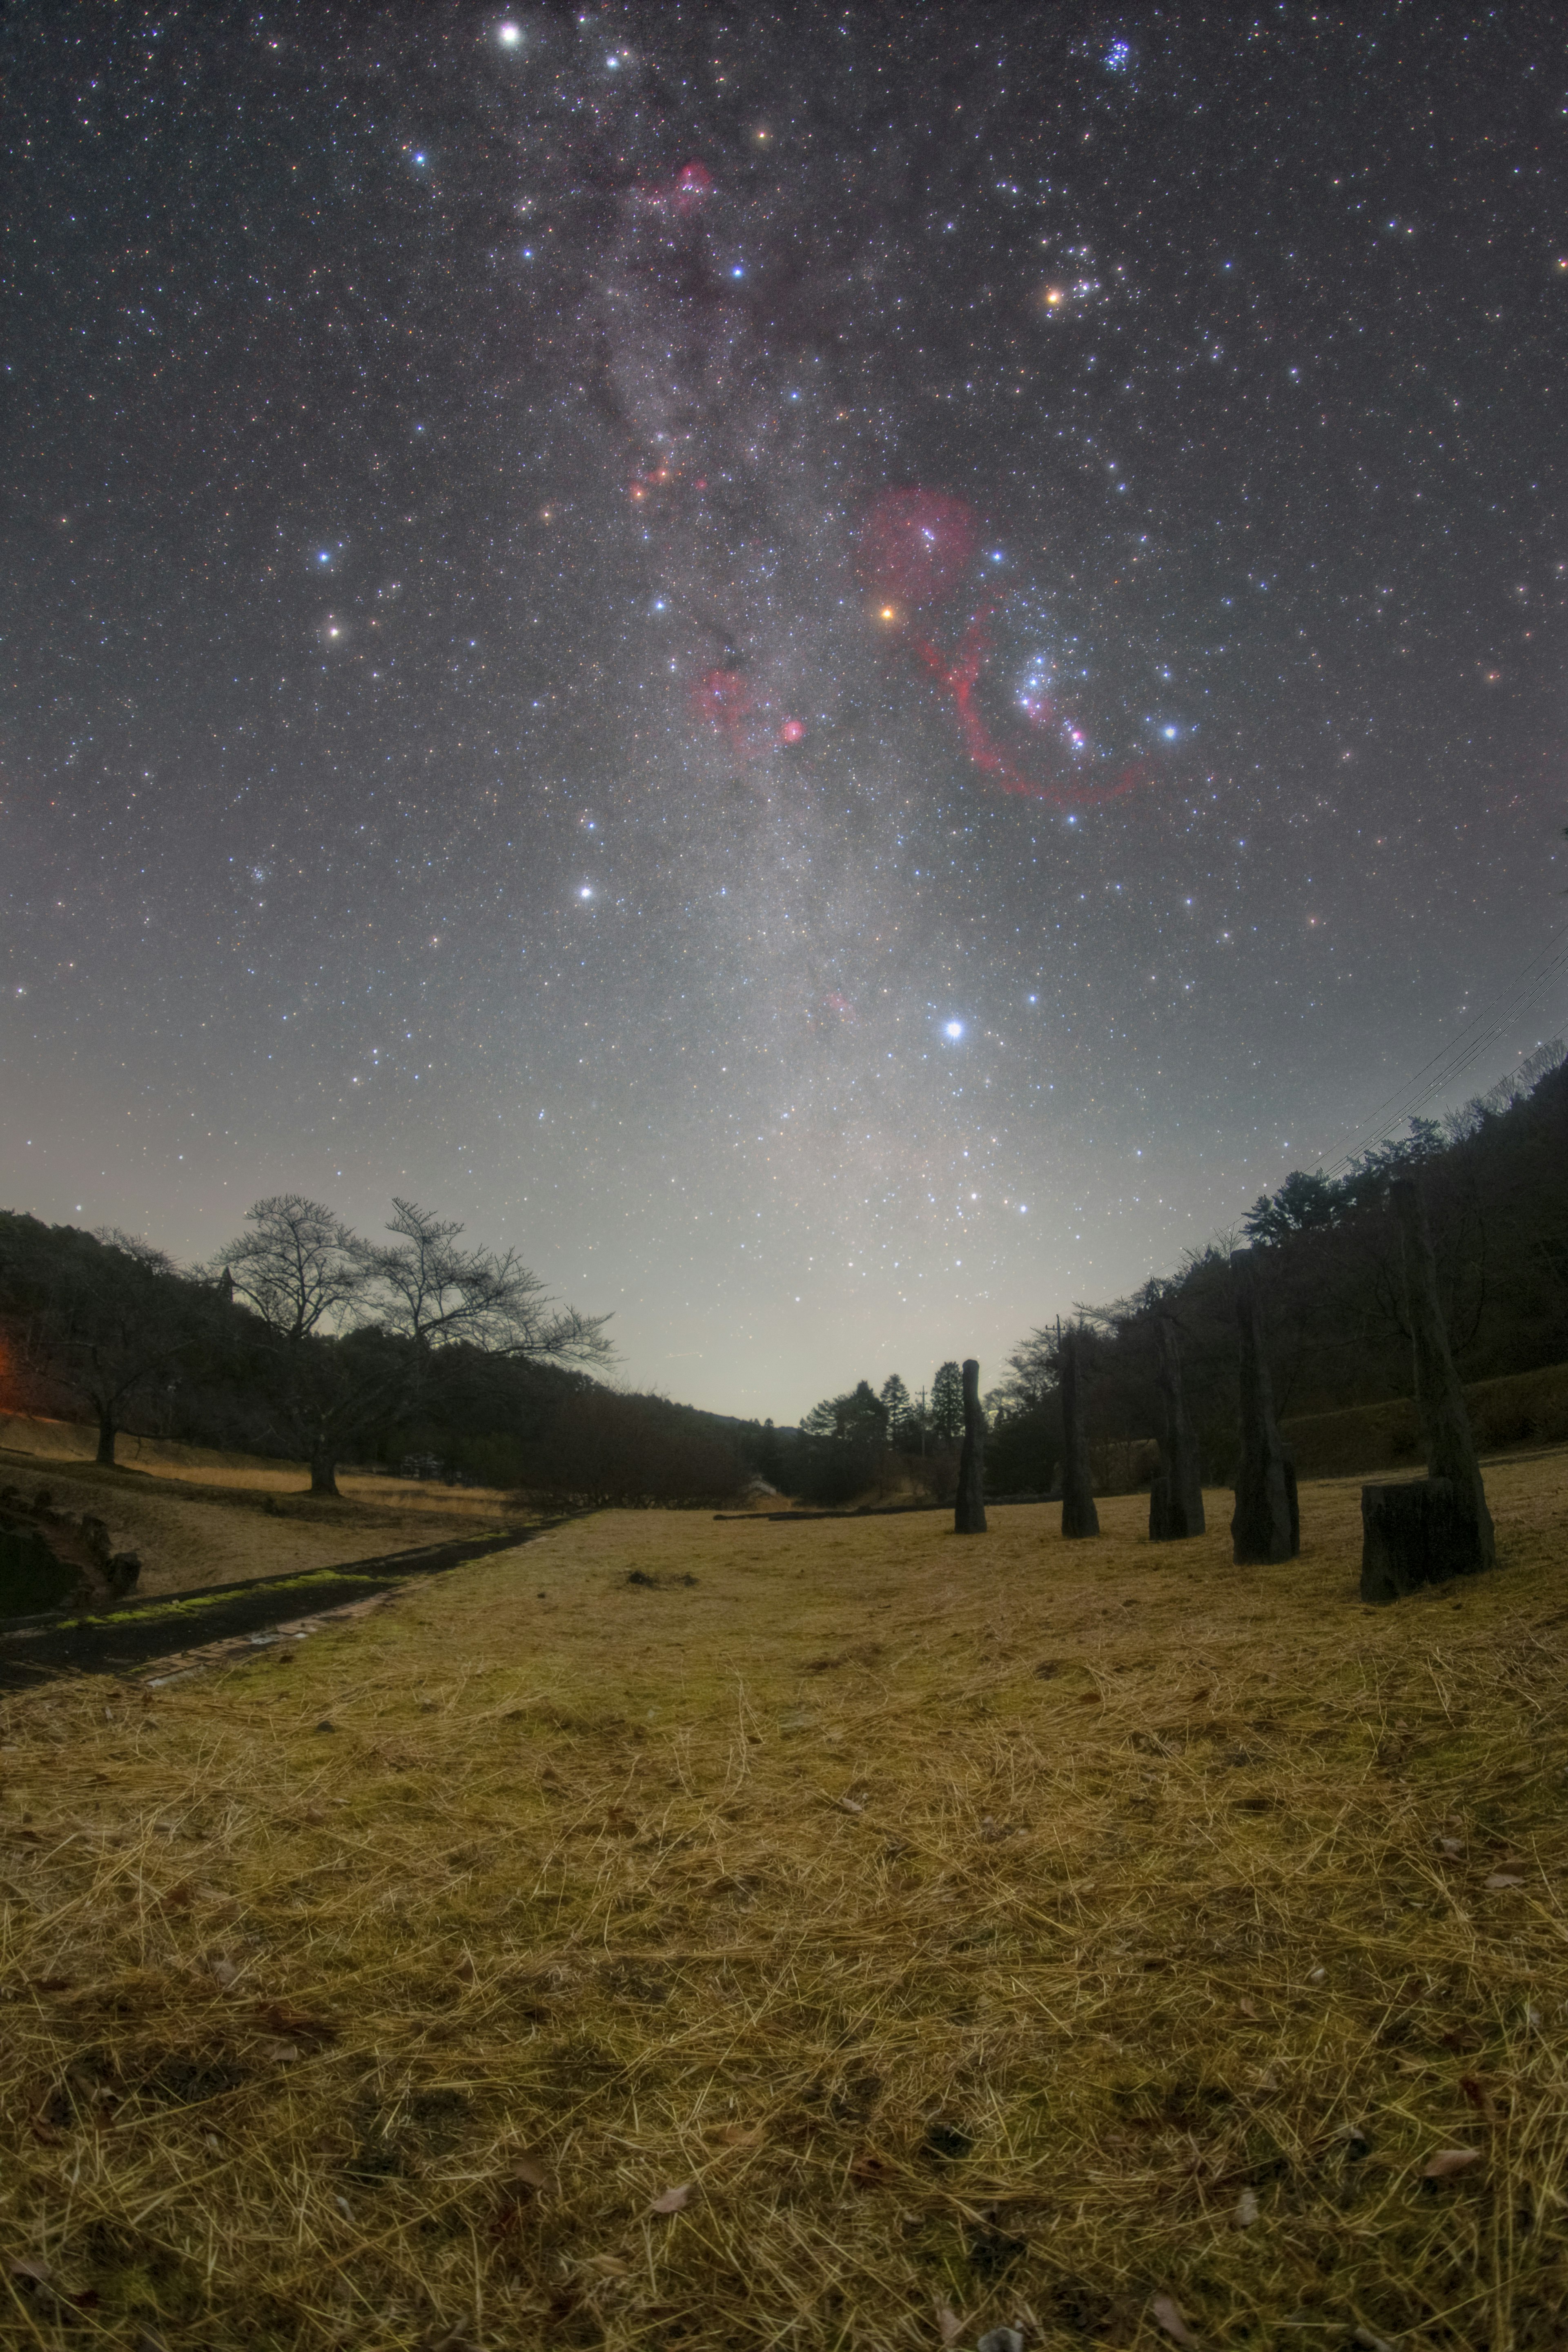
column 280, row 2051
column 1168, row 2312
column 1246, row 2209
column 674, row 2200
column 950, row 2326
column 607, row 2265
column 527, row 2173
column 1499, row 1879
column 224, row 1973
column 1449, row 1845
column 739, row 2135
column 1249, row 2008
column 1446, row 2161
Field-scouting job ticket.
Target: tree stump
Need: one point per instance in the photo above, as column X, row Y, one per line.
column 969, row 1510
column 1414, row 1534
column 1266, row 1525
column 1175, row 1496
column 1079, row 1515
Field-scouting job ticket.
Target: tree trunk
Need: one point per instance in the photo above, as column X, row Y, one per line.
column 106, row 1433
column 1413, row 1534
column 323, row 1471
column 1265, row 1524
column 1178, row 1511
column 1439, row 1399
column 1079, row 1515
column 969, row 1512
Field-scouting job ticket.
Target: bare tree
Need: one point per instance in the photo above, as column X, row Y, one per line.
column 433, row 1292
column 349, row 1325
column 118, row 1324
column 298, row 1267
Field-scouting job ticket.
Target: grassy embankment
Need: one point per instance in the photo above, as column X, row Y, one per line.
column 1521, row 1409
column 967, row 1930
column 200, row 1518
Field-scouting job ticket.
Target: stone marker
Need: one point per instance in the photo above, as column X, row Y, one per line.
column 1175, row 1493
column 32, row 1580
column 1426, row 1530
column 969, row 1510
column 1266, row 1524
column 1079, row 1515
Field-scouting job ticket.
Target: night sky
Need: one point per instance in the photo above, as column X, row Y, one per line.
column 847, row 672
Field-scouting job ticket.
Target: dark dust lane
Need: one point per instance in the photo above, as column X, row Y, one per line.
column 133, row 1634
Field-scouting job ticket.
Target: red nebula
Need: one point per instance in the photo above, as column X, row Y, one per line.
column 693, row 185
column 958, row 677
column 684, row 194
column 917, row 545
column 793, row 730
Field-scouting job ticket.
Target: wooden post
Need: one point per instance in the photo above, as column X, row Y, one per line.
column 1266, row 1525
column 1429, row 1529
column 1175, row 1497
column 969, row 1511
column 1079, row 1515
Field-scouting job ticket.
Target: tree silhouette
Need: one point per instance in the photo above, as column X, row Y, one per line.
column 947, row 1404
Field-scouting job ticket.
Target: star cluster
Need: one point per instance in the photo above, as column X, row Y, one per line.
column 846, row 673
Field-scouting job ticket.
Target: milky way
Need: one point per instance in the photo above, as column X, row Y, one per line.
column 845, row 675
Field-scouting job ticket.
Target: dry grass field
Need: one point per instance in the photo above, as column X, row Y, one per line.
column 718, row 1935
column 199, row 1518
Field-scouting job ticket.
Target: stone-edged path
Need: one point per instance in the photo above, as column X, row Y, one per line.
column 131, row 1635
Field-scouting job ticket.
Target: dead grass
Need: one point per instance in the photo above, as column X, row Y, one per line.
column 985, row 1929
column 200, row 1518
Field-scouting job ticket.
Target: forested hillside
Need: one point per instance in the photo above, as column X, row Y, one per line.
column 1495, row 1181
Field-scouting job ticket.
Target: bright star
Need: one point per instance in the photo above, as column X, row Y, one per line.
column 954, row 1029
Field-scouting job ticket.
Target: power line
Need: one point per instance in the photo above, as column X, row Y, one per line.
column 1482, row 1031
